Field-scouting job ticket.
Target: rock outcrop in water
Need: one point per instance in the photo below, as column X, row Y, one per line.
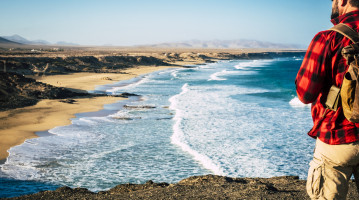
column 197, row 187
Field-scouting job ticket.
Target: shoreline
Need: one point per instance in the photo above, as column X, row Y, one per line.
column 84, row 81
column 21, row 124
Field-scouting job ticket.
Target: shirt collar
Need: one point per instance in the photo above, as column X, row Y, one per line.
column 343, row 17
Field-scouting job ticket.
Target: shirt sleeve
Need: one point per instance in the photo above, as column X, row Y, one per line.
column 311, row 75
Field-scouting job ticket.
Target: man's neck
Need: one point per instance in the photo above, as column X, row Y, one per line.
column 349, row 9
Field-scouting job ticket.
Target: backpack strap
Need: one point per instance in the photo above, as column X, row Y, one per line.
column 332, row 100
column 346, row 31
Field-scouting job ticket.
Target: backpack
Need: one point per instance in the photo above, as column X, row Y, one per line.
column 348, row 94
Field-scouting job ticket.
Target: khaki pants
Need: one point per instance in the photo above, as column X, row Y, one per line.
column 331, row 169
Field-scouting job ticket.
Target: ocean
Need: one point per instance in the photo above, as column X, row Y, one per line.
column 237, row 118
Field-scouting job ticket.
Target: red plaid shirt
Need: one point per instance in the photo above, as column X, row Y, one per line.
column 322, row 67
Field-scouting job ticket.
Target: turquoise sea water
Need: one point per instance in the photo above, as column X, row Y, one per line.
column 238, row 118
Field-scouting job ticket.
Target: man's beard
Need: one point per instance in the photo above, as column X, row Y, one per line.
column 335, row 11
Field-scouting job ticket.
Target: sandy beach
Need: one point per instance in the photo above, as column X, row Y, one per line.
column 20, row 124
column 88, row 81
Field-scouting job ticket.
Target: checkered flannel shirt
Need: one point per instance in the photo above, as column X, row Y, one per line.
column 322, row 67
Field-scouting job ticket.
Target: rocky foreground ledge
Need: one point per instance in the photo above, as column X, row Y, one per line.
column 196, row 187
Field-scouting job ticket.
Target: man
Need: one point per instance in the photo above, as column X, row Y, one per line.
column 336, row 156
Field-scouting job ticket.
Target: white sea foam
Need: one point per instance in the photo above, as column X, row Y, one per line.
column 218, row 76
column 245, row 65
column 205, row 67
column 295, row 102
column 207, row 125
column 179, row 140
column 173, row 99
column 174, row 73
column 120, row 113
column 116, row 90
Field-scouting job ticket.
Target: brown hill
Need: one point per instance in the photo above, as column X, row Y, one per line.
column 5, row 41
column 19, row 91
column 62, row 65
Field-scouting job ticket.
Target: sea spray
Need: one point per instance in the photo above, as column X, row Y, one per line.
column 179, row 139
column 295, row 102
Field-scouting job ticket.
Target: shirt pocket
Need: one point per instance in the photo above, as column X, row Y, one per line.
column 315, row 179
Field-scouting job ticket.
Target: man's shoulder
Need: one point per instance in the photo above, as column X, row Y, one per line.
column 324, row 35
column 331, row 35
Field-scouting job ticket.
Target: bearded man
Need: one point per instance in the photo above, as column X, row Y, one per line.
column 336, row 155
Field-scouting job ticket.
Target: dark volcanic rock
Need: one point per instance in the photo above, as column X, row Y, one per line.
column 126, row 94
column 197, row 187
column 139, row 107
column 31, row 65
column 70, row 101
column 18, row 91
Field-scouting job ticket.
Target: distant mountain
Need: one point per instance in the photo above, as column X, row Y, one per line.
column 5, row 41
column 19, row 39
column 66, row 43
column 226, row 44
column 16, row 38
column 40, row 42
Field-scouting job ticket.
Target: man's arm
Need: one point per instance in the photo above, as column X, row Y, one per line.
column 310, row 77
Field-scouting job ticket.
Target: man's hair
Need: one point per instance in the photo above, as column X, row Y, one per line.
column 354, row 3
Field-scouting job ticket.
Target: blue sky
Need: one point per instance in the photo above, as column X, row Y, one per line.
column 132, row 22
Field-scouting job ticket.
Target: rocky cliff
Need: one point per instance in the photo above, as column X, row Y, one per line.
column 19, row 91
column 47, row 64
column 40, row 65
column 197, row 187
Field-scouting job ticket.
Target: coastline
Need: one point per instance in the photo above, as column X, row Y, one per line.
column 20, row 124
column 138, row 61
column 86, row 81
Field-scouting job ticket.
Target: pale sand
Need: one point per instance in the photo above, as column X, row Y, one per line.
column 88, row 81
column 20, row 124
